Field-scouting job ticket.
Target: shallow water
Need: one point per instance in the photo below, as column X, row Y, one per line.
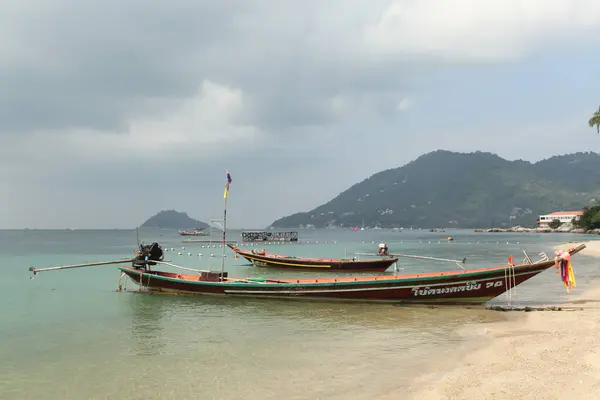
column 68, row 334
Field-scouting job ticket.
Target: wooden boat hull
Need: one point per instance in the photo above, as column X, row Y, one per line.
column 459, row 287
column 299, row 263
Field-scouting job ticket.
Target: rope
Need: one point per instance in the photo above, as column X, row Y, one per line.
column 514, row 283
column 510, row 282
column 506, row 284
column 180, row 267
column 119, row 282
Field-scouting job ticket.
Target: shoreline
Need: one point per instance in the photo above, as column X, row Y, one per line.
column 528, row 355
column 520, row 229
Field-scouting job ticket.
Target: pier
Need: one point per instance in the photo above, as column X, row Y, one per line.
column 266, row 236
column 210, row 241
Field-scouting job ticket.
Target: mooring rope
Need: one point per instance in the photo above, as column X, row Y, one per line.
column 506, row 284
column 514, row 283
column 510, row 281
column 180, row 267
column 119, row 282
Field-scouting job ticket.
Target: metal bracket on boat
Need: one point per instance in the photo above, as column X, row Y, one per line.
column 544, row 257
column 527, row 260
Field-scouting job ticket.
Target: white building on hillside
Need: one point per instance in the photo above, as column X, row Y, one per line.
column 562, row 216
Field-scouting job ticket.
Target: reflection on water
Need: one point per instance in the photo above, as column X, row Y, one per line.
column 147, row 314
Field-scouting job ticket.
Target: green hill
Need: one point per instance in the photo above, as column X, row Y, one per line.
column 464, row 190
column 171, row 219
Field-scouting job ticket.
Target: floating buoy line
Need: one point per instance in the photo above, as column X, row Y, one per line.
column 182, row 252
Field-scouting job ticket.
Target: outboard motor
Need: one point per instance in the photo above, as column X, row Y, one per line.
column 147, row 254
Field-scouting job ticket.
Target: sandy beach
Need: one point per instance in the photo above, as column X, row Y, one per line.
column 532, row 355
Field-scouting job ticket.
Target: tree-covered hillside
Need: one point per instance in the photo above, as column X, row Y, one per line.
column 466, row 190
column 171, row 219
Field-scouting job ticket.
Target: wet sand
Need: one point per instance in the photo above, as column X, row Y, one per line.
column 533, row 355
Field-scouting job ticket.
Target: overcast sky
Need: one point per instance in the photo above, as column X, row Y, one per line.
column 113, row 110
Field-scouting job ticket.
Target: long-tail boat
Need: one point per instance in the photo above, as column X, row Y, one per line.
column 458, row 287
column 195, row 232
column 260, row 258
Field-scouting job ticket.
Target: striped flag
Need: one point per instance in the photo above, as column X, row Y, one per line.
column 227, row 186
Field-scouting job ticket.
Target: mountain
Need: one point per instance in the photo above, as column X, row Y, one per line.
column 463, row 190
column 171, row 219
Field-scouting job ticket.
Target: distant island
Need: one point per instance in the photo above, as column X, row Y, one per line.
column 445, row 189
column 171, row 219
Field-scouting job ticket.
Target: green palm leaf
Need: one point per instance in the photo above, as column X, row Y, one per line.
column 595, row 120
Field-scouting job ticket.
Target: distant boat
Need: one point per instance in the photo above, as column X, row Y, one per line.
column 195, row 232
column 262, row 259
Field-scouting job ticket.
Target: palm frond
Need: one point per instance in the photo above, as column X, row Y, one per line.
column 595, row 120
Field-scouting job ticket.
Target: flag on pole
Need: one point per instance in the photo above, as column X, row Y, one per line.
column 227, row 186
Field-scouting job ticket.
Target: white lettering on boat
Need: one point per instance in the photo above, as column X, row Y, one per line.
column 467, row 287
column 493, row 284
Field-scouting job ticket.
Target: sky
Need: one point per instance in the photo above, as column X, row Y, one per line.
column 113, row 110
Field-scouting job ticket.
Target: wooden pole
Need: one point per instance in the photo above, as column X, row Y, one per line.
column 224, row 239
column 37, row 270
column 224, row 227
column 463, row 261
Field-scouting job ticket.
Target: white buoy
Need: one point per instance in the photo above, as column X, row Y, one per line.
column 183, row 248
column 199, row 254
column 212, row 255
column 189, row 254
column 179, row 253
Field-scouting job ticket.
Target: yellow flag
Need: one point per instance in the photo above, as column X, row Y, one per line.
column 227, row 182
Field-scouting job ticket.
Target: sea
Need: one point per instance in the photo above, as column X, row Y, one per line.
column 69, row 334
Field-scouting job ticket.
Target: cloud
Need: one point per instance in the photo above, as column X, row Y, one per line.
column 213, row 116
column 472, row 30
column 405, row 104
column 102, row 100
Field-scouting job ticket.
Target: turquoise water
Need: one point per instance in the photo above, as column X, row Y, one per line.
column 68, row 334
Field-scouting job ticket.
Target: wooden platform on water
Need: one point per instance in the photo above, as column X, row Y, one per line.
column 215, row 241
column 269, row 236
